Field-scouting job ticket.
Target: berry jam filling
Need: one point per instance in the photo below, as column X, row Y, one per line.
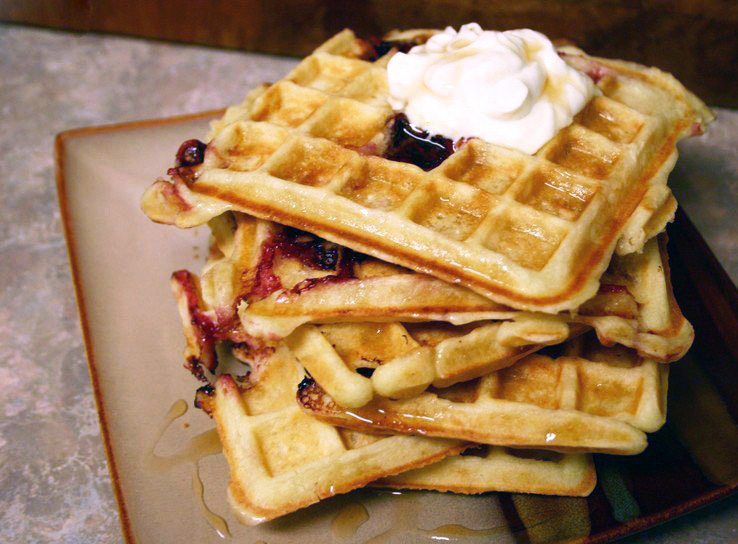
column 265, row 280
column 416, row 146
column 306, row 383
column 194, row 365
column 376, row 48
column 208, row 330
column 595, row 70
column 611, row 288
column 204, row 398
column 190, row 153
column 311, row 251
column 366, row 371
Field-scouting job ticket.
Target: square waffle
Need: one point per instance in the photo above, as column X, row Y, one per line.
column 404, row 359
column 282, row 459
column 591, row 399
column 319, row 282
column 533, row 232
column 412, row 355
column 253, row 270
column 635, row 306
column 488, row 468
column 276, row 470
column 272, row 388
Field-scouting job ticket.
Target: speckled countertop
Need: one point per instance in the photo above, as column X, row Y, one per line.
column 54, row 485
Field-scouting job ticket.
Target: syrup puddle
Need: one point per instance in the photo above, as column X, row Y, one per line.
column 198, row 447
column 202, row 445
column 348, row 520
column 405, row 523
column 345, row 524
column 443, row 533
column 453, row 532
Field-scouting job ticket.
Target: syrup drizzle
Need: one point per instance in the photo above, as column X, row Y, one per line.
column 198, row 447
column 348, row 520
column 176, row 410
column 404, row 517
column 215, row 521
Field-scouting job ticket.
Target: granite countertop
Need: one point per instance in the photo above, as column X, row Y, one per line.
column 54, row 485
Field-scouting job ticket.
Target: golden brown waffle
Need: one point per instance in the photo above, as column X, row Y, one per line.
column 415, row 354
column 411, row 355
column 635, row 306
column 282, row 459
column 335, row 352
column 533, row 232
column 275, row 470
column 594, row 399
column 483, row 469
column 406, row 358
column 318, row 281
column 655, row 211
column 503, row 470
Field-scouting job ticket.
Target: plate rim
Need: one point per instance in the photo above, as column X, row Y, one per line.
column 621, row 530
column 60, row 142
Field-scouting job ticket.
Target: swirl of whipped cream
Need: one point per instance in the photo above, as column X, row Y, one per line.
column 508, row 88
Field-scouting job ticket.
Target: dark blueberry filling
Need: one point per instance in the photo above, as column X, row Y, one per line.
column 416, row 146
column 191, row 153
column 201, row 393
column 195, row 367
column 365, row 371
column 375, row 47
column 306, row 383
column 311, row 251
column 204, row 398
column 381, row 47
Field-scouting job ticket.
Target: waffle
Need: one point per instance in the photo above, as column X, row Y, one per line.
column 650, row 218
column 282, row 459
column 412, row 355
column 405, row 358
column 592, row 399
column 450, row 353
column 275, row 471
column 366, row 289
column 635, row 306
column 532, row 232
column 483, row 469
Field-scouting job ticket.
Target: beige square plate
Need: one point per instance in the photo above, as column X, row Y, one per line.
column 121, row 263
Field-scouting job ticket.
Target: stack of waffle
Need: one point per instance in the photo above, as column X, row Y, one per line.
column 382, row 308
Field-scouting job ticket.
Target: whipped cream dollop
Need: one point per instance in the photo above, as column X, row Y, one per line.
column 509, row 88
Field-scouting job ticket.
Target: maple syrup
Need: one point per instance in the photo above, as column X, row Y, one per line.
column 214, row 520
column 348, row 520
column 197, row 448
